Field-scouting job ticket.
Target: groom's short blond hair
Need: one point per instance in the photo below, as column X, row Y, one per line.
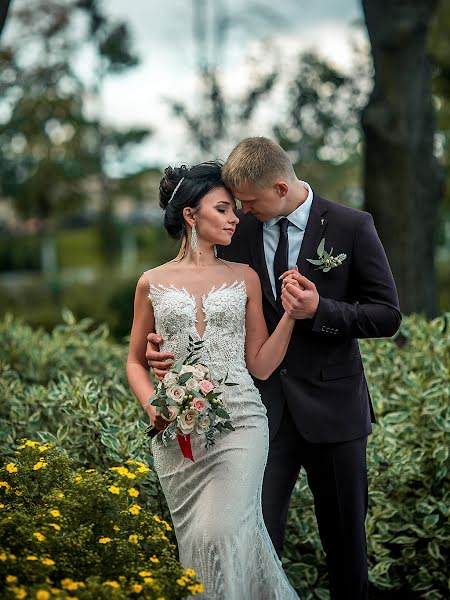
column 257, row 161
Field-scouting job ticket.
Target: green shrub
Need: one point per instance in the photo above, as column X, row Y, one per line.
column 69, row 386
column 407, row 525
column 65, row 530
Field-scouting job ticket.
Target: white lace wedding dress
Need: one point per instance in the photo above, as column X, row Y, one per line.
column 215, row 502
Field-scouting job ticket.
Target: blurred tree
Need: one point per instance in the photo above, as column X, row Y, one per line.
column 114, row 55
column 403, row 182
column 4, row 7
column 50, row 151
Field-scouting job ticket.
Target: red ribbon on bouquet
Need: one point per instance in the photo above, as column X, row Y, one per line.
column 184, row 442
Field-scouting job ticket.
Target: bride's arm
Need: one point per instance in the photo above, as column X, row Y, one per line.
column 263, row 354
column 137, row 367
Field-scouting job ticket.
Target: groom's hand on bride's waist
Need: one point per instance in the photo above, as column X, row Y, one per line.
column 160, row 362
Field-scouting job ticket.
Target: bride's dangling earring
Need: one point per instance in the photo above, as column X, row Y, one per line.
column 215, row 251
column 194, row 244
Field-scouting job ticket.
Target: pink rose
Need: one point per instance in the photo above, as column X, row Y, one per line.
column 199, row 404
column 206, row 386
column 173, row 413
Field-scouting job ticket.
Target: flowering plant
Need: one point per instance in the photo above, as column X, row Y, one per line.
column 190, row 400
column 326, row 261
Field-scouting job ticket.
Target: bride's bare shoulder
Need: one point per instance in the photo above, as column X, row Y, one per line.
column 159, row 274
column 244, row 272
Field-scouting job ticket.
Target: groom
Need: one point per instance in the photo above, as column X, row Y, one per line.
column 317, row 401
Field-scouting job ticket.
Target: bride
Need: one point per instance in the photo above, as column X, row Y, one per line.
column 215, row 502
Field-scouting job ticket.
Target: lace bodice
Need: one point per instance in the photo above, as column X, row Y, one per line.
column 176, row 319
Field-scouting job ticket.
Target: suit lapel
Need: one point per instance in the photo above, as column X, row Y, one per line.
column 259, row 261
column 314, row 232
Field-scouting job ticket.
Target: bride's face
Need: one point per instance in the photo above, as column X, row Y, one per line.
column 215, row 219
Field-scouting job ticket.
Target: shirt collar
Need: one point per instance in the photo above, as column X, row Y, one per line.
column 299, row 216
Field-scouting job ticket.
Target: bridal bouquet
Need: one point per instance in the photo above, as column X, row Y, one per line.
column 191, row 401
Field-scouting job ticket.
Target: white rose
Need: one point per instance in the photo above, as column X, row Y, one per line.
column 176, row 393
column 173, row 413
column 170, row 379
column 203, row 423
column 187, row 420
column 187, row 369
column 200, row 372
column 192, row 384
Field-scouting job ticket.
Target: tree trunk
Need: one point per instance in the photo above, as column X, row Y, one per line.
column 403, row 183
column 4, row 6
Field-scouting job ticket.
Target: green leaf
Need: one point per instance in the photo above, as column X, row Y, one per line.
column 220, row 412
column 314, row 261
column 321, row 247
column 184, row 377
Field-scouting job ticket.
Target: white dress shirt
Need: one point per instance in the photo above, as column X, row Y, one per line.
column 296, row 230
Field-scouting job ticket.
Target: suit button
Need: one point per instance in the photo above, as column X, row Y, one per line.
column 323, row 327
column 283, row 371
column 327, row 330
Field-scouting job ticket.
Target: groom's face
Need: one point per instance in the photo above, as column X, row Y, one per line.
column 264, row 203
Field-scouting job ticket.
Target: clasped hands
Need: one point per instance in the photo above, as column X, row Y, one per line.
column 299, row 295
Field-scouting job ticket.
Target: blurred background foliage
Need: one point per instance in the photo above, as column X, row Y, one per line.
column 79, row 219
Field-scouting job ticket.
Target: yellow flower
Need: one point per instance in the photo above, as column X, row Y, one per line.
column 130, row 475
column 121, row 470
column 47, row 561
column 113, row 584
column 2, row 505
column 104, row 540
column 135, row 509
column 190, row 572
column 11, row 579
column 133, row 538
column 197, row 588
column 78, row 478
column 12, row 557
column 157, row 519
column 137, row 587
column 145, row 573
column 32, row 557
column 114, row 490
column 149, row 580
column 181, row 582
column 19, row 592
column 39, row 465
column 32, row 444
column 55, row 526
column 39, row 536
column 154, row 559
column 11, row 468
column 134, row 493
column 3, row 556
column 69, row 584
column 5, row 484
column 55, row 513
column 22, row 446
column 18, row 493
column 143, row 469
column 42, row 595
column 60, row 495
column 166, row 525
column 43, row 448
column 116, row 528
column 90, row 470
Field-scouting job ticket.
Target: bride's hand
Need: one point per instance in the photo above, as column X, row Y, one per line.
column 287, row 278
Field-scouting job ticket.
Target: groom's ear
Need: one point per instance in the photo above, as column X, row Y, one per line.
column 282, row 188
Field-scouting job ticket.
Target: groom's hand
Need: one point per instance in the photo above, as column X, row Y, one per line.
column 299, row 296
column 156, row 359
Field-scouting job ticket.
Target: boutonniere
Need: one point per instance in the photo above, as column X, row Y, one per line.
column 326, row 261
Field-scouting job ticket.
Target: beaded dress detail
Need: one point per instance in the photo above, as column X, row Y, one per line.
column 215, row 502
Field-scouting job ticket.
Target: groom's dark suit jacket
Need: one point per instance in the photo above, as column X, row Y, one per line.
column 321, row 377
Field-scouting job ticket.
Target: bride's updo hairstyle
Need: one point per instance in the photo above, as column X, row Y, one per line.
column 196, row 182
